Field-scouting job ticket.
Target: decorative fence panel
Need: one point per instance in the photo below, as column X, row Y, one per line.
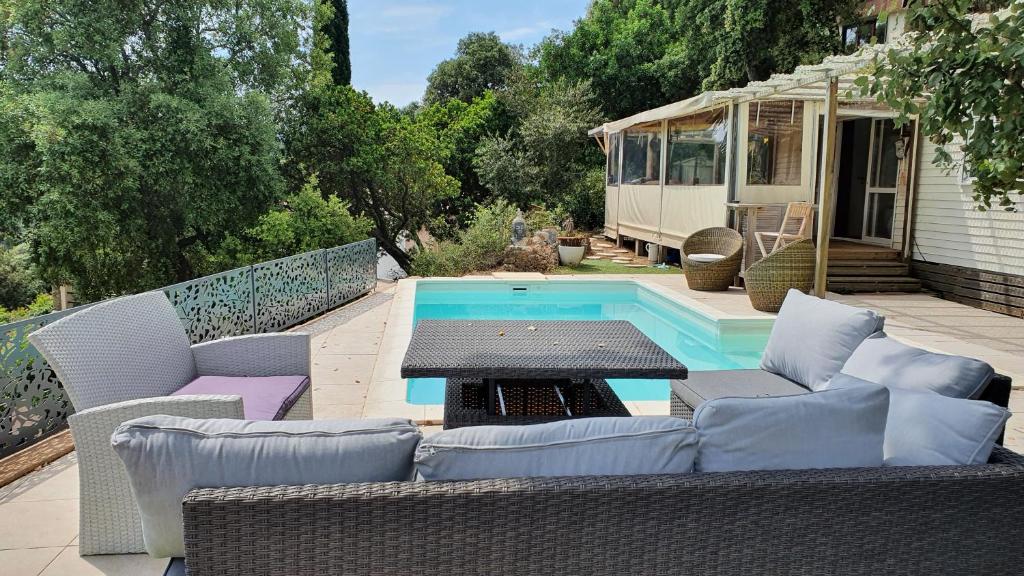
column 289, row 290
column 351, row 271
column 262, row 298
column 215, row 306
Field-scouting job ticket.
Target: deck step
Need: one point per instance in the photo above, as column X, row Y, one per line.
column 867, row 268
column 850, row 284
column 863, row 254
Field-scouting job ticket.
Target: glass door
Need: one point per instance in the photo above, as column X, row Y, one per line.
column 883, row 173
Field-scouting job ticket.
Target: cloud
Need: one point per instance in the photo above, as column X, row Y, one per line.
column 524, row 32
column 402, row 18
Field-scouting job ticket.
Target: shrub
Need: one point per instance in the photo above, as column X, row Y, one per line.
column 43, row 304
column 480, row 247
column 19, row 283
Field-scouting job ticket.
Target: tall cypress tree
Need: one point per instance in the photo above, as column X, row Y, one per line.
column 337, row 30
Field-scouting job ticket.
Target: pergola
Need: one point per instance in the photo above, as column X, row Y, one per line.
column 829, row 82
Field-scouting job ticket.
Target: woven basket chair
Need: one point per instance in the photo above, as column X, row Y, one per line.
column 718, row 275
column 768, row 279
column 122, row 359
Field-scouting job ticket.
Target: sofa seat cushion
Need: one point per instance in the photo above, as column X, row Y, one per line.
column 841, row 428
column 263, row 397
column 885, row 361
column 582, row 447
column 701, row 386
column 928, row 429
column 812, row 338
column 166, row 456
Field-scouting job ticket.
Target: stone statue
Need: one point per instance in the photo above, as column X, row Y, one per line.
column 518, row 228
column 568, row 226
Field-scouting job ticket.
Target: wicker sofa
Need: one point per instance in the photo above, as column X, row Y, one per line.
column 953, row 520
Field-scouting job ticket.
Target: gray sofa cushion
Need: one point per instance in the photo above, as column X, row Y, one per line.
column 583, row 447
column 812, row 338
column 840, row 428
column 701, row 386
column 885, row 361
column 166, row 456
column 929, row 429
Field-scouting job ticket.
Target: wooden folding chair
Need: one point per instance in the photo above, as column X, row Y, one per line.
column 795, row 211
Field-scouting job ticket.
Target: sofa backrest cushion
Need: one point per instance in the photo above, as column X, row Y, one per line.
column 842, row 428
column 885, row 361
column 812, row 338
column 929, row 429
column 166, row 456
column 582, row 447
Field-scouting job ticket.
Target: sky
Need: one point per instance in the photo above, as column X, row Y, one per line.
column 394, row 44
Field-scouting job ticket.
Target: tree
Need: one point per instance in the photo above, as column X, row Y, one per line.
column 482, row 62
column 336, row 30
column 386, row 165
column 640, row 54
column 135, row 138
column 963, row 80
column 546, row 158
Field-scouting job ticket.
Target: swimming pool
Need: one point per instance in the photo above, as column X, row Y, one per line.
column 690, row 335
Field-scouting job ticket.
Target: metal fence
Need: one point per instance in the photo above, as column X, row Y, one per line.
column 265, row 297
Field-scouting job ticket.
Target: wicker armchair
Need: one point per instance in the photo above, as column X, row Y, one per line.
column 122, row 359
column 717, row 274
column 768, row 279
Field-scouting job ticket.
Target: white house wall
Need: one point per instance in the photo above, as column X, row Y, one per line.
column 947, row 229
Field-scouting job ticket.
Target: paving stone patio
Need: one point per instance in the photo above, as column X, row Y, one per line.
column 39, row 513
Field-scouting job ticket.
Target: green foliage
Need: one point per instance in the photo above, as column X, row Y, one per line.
column 41, row 304
column 547, row 157
column 378, row 159
column 482, row 62
column 460, row 126
column 479, row 247
column 336, row 30
column 135, row 136
column 19, row 282
column 963, row 83
column 303, row 222
column 640, row 54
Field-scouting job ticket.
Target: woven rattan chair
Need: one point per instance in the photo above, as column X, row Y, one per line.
column 719, row 273
column 122, row 359
column 768, row 279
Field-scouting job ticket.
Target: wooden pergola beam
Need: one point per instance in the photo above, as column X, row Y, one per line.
column 825, row 212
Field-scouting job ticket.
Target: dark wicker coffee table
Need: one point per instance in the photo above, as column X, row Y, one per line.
column 523, row 371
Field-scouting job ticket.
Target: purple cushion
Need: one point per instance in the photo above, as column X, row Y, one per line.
column 263, row 397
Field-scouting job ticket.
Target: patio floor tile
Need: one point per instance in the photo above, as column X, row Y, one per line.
column 58, row 481
column 69, row 563
column 38, row 524
column 28, row 561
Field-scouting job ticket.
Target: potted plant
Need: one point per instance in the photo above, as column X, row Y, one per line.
column 571, row 248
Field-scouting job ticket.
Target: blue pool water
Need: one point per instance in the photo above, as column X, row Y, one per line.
column 696, row 340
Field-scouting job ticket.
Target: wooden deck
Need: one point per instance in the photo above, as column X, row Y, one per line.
column 861, row 267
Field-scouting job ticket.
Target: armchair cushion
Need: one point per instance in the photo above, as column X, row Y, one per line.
column 812, row 338
column 263, row 397
column 166, row 456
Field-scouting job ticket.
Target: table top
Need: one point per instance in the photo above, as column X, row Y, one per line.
column 535, row 349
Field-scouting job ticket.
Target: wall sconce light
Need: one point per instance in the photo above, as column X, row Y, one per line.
column 901, row 147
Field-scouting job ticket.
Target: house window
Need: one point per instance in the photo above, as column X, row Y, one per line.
column 696, row 150
column 775, row 132
column 614, row 143
column 861, row 33
column 641, row 154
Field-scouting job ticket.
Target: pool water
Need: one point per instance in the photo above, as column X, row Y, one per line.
column 695, row 339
